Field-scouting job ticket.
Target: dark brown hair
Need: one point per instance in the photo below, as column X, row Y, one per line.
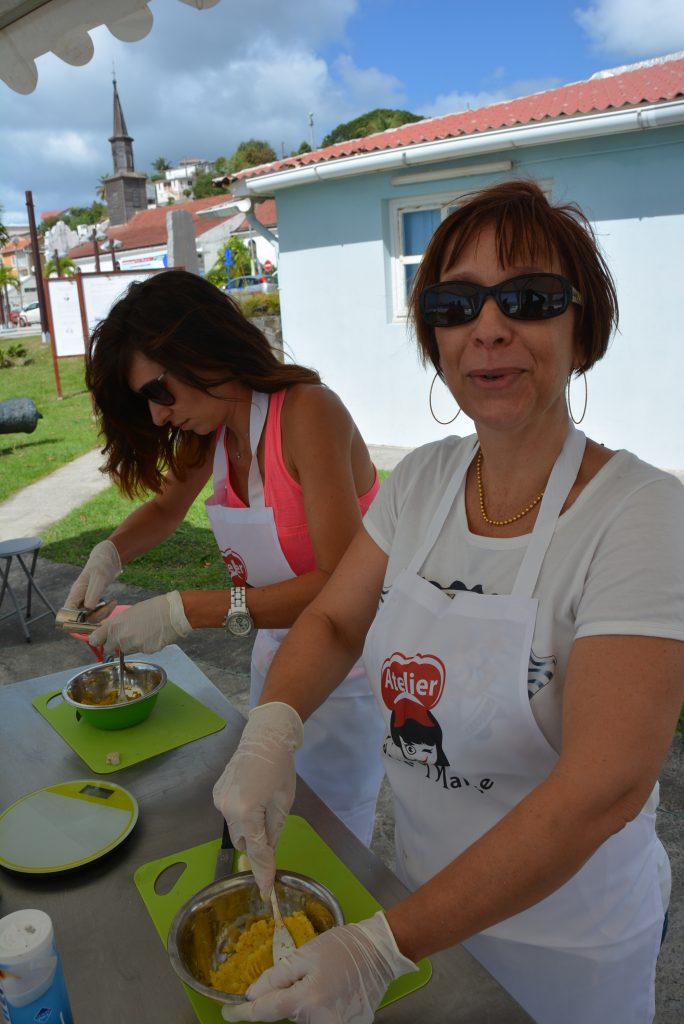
column 527, row 228
column 197, row 333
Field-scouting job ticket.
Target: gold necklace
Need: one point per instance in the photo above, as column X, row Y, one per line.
column 480, row 491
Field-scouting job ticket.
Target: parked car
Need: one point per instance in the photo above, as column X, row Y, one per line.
column 251, row 283
column 29, row 315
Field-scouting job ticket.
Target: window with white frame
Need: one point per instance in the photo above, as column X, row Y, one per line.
column 413, row 221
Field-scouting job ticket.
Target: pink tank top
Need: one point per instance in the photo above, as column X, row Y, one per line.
column 284, row 495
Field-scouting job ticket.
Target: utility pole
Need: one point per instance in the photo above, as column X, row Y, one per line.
column 37, row 267
column 311, row 122
column 96, row 250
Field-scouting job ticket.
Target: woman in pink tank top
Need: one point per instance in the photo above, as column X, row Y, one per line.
column 186, row 389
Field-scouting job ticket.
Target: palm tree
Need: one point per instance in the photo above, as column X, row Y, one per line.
column 62, row 267
column 7, row 277
column 4, row 236
column 161, row 164
column 101, row 190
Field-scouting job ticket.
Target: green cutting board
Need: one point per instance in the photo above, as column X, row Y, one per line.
column 300, row 849
column 177, row 718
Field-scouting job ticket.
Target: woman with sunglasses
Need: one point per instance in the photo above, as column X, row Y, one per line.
column 523, row 588
column 185, row 387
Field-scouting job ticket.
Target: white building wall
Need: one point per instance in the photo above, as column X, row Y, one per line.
column 335, row 281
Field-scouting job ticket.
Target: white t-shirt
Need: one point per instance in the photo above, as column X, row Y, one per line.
column 615, row 564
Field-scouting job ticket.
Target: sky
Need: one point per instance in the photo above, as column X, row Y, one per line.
column 202, row 81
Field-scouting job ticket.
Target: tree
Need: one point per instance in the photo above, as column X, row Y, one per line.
column 76, row 215
column 161, row 164
column 4, row 236
column 101, row 190
column 61, row 267
column 378, row 120
column 240, row 266
column 204, row 185
column 250, row 154
column 304, row 147
column 7, row 277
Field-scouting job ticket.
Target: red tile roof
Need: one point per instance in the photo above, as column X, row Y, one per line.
column 21, row 243
column 148, row 227
column 659, row 81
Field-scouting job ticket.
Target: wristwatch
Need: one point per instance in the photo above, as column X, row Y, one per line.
column 238, row 621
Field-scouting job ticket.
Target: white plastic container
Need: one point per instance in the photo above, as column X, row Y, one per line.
column 32, row 989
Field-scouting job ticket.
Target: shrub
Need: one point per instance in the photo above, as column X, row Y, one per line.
column 261, row 304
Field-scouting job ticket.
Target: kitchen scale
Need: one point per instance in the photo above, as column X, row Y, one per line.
column 65, row 826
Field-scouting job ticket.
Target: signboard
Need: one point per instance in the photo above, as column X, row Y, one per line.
column 65, row 311
column 76, row 305
column 101, row 291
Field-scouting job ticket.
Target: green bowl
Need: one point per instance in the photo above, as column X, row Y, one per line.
column 90, row 690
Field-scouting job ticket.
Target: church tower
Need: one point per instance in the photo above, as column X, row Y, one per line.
column 125, row 189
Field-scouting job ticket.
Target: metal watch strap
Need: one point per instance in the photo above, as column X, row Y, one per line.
column 238, row 600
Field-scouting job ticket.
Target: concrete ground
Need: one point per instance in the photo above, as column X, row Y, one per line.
column 226, row 662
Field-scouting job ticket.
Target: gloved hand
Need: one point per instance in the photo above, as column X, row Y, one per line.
column 339, row 977
column 103, row 566
column 257, row 787
column 146, row 627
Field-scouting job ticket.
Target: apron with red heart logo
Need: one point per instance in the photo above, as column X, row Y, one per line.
column 462, row 749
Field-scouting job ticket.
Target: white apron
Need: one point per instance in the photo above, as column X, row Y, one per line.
column 463, row 748
column 341, row 756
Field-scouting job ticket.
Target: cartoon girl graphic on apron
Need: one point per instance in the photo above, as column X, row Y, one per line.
column 590, row 946
column 340, row 757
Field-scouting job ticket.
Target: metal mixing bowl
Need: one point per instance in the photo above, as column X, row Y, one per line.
column 100, row 682
column 220, row 910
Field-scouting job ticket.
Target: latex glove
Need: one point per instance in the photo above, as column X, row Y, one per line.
column 103, row 566
column 339, row 977
column 146, row 627
column 255, row 792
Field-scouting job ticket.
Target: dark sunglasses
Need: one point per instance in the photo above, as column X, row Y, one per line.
column 526, row 297
column 155, row 391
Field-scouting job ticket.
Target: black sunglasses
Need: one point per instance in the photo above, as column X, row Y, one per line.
column 155, row 391
column 526, row 297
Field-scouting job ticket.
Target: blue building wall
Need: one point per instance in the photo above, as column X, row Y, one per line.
column 336, row 288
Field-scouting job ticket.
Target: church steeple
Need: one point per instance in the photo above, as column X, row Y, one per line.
column 121, row 141
column 125, row 188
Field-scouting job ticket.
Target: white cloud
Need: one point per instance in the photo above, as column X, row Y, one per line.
column 368, row 88
column 634, row 28
column 457, row 102
column 67, row 148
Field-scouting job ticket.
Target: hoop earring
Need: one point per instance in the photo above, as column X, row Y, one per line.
column 586, row 396
column 445, row 423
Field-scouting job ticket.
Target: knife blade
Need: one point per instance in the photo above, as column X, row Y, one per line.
column 224, row 858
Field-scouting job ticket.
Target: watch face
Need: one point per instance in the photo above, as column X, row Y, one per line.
column 240, row 624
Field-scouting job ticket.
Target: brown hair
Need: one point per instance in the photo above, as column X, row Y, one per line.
column 196, row 332
column 527, row 228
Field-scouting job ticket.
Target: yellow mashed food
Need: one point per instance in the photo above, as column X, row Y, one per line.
column 131, row 692
column 252, row 953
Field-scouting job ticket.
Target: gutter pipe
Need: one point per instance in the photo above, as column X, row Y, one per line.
column 617, row 122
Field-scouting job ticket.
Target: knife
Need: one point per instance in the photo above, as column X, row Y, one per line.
column 224, row 858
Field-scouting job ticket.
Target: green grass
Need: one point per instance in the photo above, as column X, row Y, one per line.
column 188, row 560
column 67, row 428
